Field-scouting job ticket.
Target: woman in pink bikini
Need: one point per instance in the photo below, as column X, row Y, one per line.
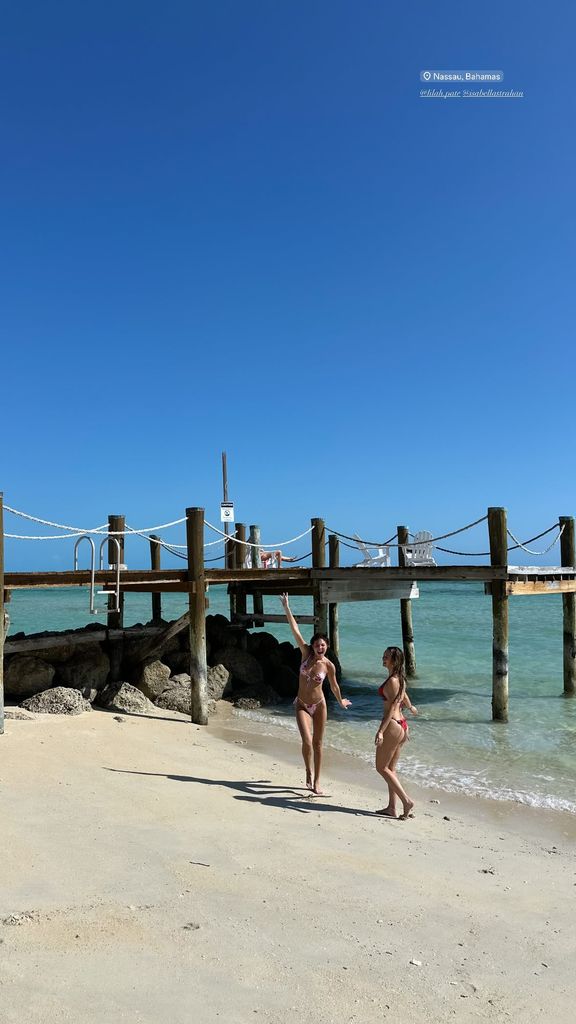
column 310, row 705
column 393, row 731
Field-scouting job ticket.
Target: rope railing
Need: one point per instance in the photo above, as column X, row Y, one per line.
column 250, row 544
column 388, row 543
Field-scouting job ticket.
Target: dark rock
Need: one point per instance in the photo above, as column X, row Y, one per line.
column 265, row 696
column 87, row 671
column 60, row 700
column 25, row 676
column 242, row 666
column 177, row 698
column 247, row 704
column 284, row 681
column 219, row 632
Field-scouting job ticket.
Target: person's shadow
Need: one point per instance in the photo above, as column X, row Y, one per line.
column 262, row 791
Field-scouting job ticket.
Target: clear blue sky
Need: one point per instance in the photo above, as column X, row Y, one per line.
column 237, row 226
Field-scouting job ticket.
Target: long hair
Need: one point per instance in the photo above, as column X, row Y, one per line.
column 397, row 657
column 317, row 636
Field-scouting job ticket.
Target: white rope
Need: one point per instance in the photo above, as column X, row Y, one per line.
column 97, row 529
column 55, row 536
column 529, row 550
column 250, row 544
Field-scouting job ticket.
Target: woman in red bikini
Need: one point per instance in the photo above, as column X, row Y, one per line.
column 310, row 705
column 393, row 731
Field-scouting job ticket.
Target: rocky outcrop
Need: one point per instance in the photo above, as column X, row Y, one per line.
column 218, row 679
column 26, row 676
column 60, row 700
column 242, row 666
column 152, row 678
column 87, row 671
column 125, row 697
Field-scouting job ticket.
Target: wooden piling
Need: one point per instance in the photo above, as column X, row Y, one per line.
column 116, row 526
column 497, row 529
column 1, row 612
column 197, row 610
column 240, row 556
column 319, row 562
column 155, row 564
column 254, row 538
column 406, row 611
column 333, row 627
column 568, row 558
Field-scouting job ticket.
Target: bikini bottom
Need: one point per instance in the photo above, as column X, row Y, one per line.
column 310, row 708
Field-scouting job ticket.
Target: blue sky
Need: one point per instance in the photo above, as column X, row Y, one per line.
column 237, row 226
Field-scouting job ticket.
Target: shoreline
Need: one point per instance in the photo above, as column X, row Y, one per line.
column 340, row 766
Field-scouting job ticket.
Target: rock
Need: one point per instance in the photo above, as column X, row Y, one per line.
column 247, row 704
column 60, row 700
column 124, row 697
column 177, row 698
column 260, row 695
column 87, row 671
column 218, row 677
column 18, row 714
column 178, row 661
column 25, row 676
column 152, row 678
column 284, row 681
column 242, row 666
column 212, row 707
column 182, row 677
column 219, row 632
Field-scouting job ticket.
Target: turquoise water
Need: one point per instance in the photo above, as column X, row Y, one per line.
column 454, row 744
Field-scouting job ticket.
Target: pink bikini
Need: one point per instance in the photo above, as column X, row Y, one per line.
column 313, row 677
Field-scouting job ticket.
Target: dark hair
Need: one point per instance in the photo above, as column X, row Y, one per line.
column 397, row 657
column 319, row 636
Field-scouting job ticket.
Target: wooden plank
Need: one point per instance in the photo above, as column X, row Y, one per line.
column 349, row 591
column 515, row 587
column 307, row 620
column 420, row 573
column 81, row 577
column 28, row 644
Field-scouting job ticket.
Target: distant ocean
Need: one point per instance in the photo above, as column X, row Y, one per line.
column 454, row 744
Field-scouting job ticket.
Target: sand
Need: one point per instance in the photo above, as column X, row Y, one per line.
column 153, row 871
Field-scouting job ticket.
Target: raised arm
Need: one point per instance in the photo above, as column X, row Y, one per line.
column 294, row 626
column 331, row 673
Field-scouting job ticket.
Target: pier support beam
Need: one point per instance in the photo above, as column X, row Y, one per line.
column 116, row 526
column 197, row 609
column 1, row 612
column 319, row 562
column 240, row 555
column 568, row 558
column 333, row 628
column 155, row 564
column 254, row 538
column 497, row 529
column 406, row 611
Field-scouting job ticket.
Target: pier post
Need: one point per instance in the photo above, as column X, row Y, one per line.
column 568, row 558
column 406, row 611
column 155, row 564
column 240, row 555
column 334, row 561
column 319, row 562
column 254, row 538
column 116, row 526
column 497, row 529
column 197, row 610
column 1, row 612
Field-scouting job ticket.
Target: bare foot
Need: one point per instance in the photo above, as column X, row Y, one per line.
column 407, row 811
column 309, row 781
column 317, row 791
column 387, row 812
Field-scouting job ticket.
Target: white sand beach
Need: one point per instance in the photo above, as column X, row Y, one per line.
column 156, row 871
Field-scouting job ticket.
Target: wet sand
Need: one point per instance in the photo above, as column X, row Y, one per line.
column 155, row 871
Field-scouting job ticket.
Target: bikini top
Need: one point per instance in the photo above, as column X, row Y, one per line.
column 381, row 691
column 314, row 677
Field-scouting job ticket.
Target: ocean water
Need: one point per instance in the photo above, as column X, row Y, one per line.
column 453, row 743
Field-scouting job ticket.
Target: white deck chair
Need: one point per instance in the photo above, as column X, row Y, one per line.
column 381, row 560
column 419, row 552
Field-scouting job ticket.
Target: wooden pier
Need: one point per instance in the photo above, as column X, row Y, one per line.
column 327, row 586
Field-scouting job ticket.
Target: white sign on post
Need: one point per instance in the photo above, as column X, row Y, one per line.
column 227, row 512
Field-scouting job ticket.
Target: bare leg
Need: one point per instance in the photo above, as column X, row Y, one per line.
column 393, row 738
column 319, row 723
column 390, row 810
column 303, row 720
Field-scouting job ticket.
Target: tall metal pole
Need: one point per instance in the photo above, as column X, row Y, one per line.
column 227, row 546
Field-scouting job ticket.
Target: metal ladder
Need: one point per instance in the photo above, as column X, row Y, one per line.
column 118, row 566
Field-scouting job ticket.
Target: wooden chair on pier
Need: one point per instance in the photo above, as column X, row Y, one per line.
column 381, row 560
column 420, row 551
